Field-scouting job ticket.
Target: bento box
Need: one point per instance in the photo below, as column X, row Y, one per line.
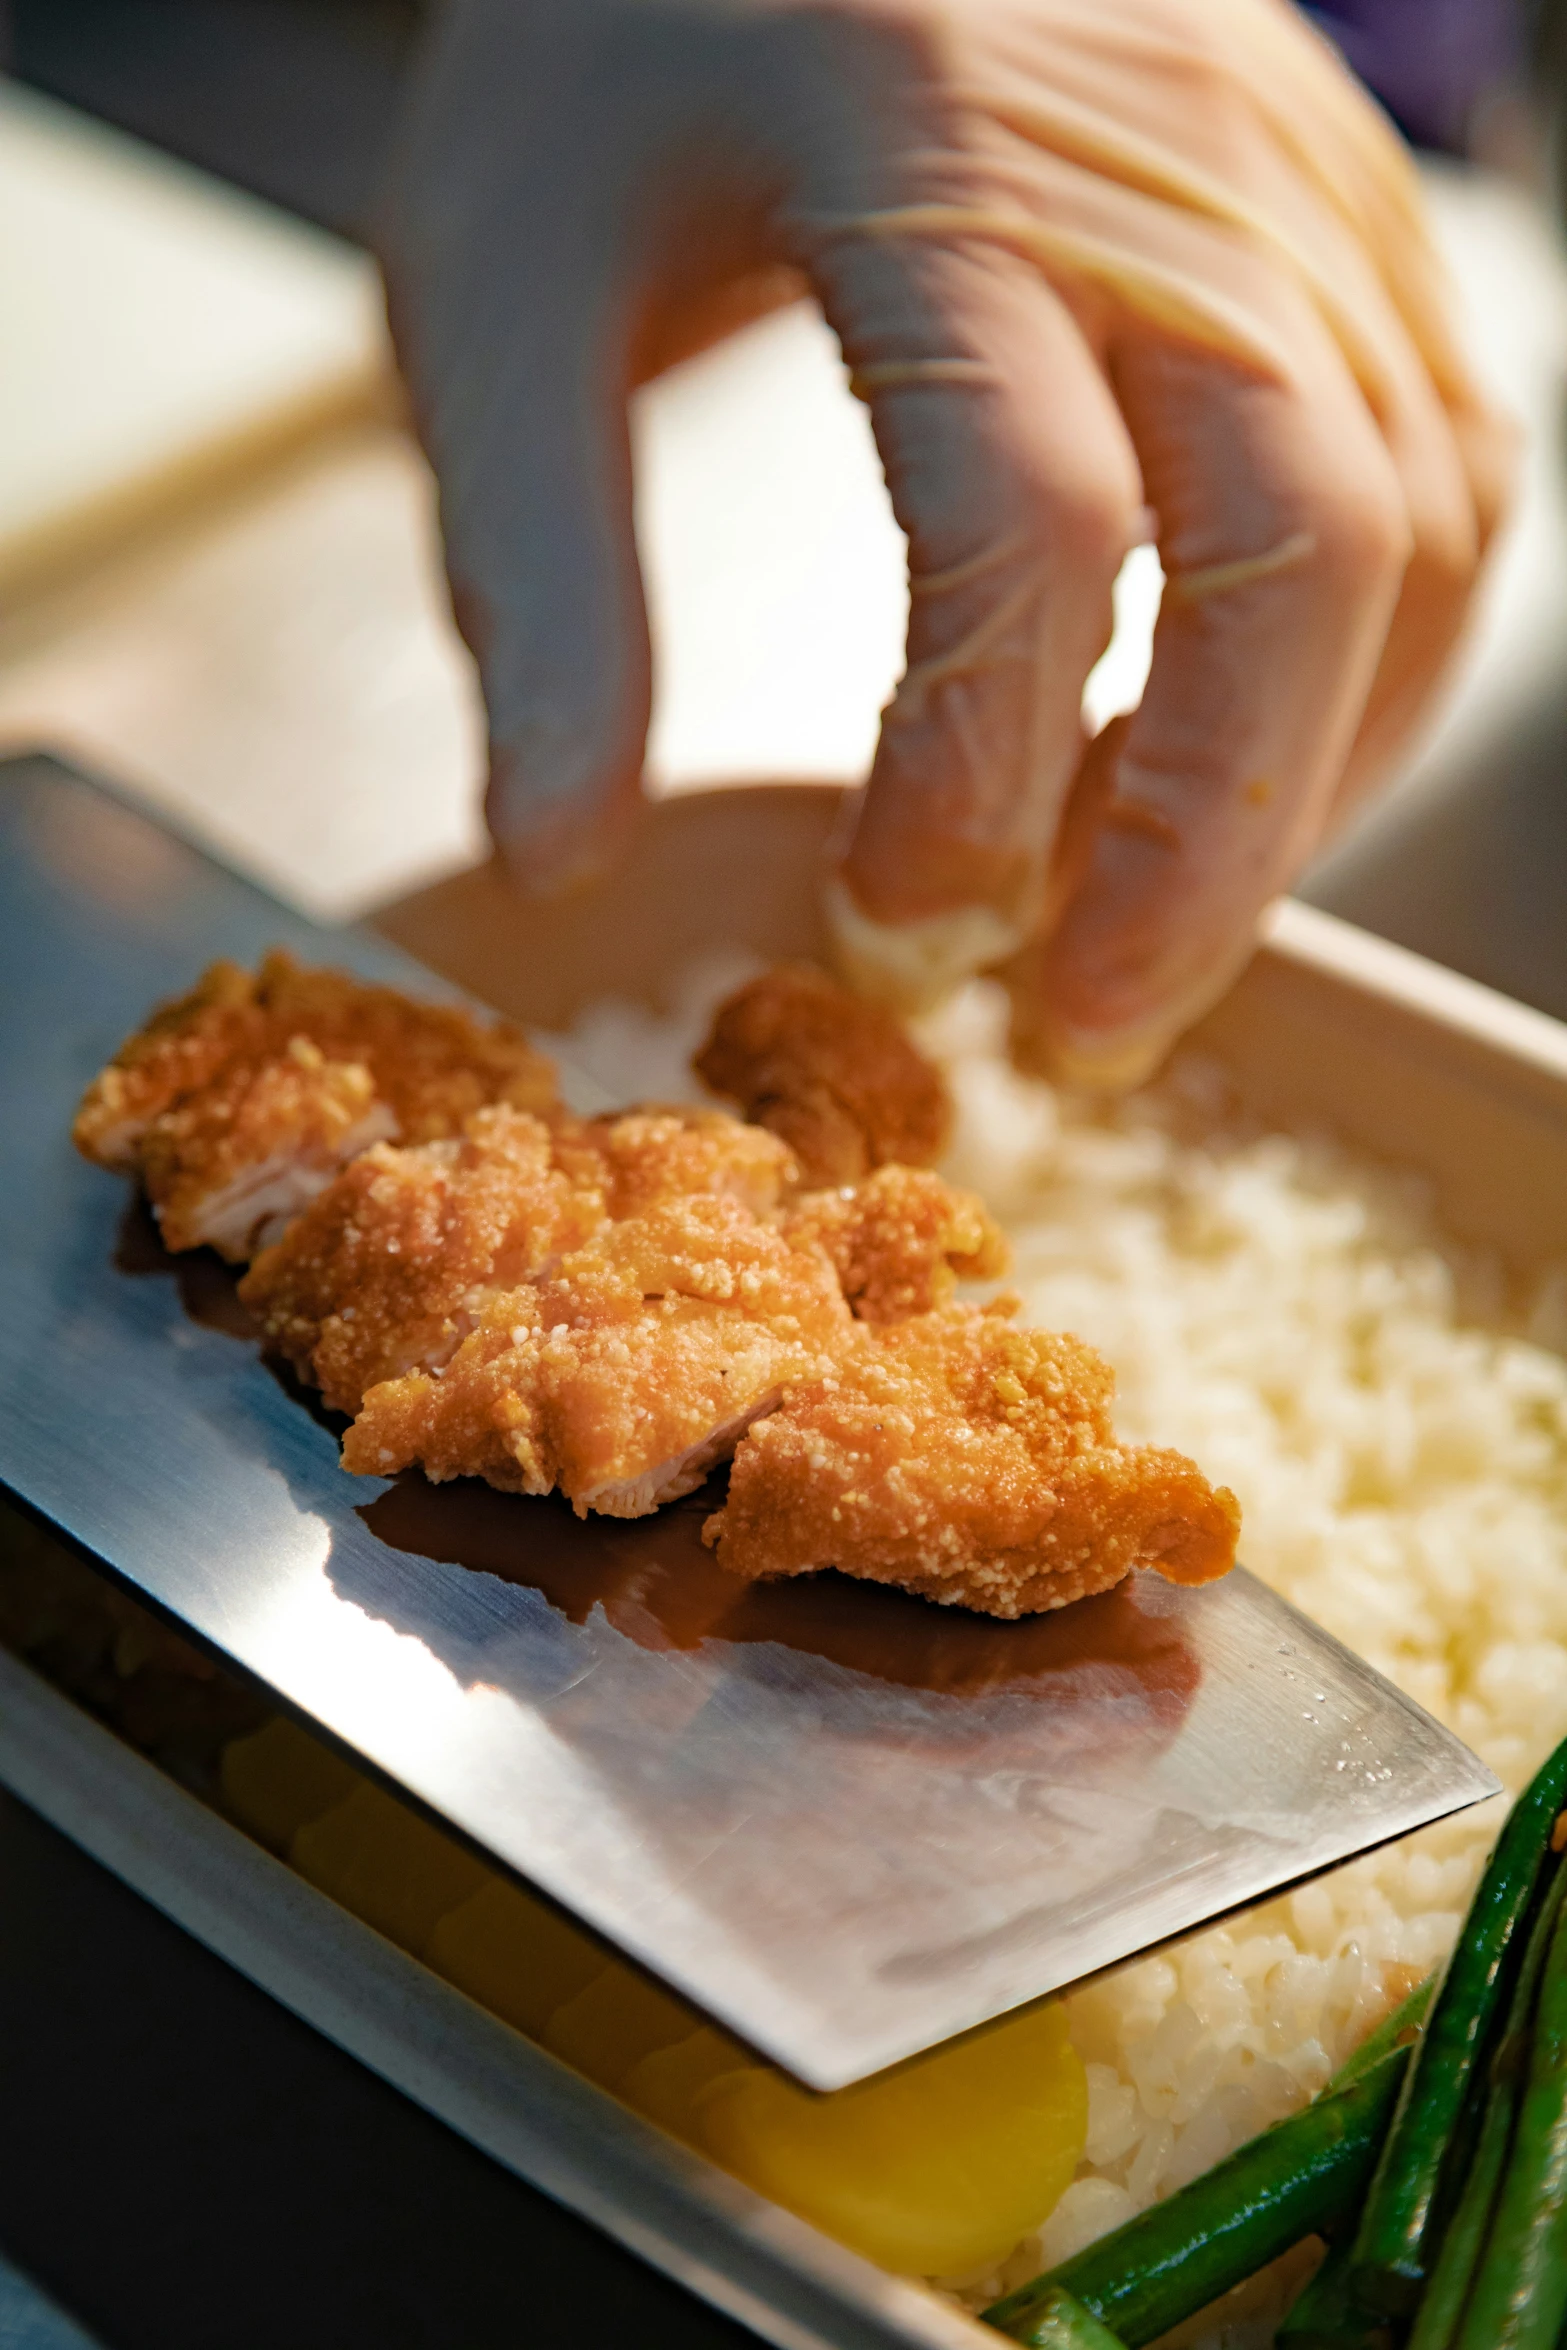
column 1328, row 1027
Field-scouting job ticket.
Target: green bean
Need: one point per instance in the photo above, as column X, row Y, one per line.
column 1394, row 2245
column 1464, row 2232
column 1396, row 2030
column 1295, row 2180
column 1064, row 2324
column 1442, row 2303
column 1327, row 2315
column 1519, row 2298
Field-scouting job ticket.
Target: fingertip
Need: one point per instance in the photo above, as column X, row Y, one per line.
column 911, row 966
column 1082, row 1063
column 556, row 841
column 1054, row 999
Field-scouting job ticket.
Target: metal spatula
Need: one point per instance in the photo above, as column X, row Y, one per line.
column 847, row 1823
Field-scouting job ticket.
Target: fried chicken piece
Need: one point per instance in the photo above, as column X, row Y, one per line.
column 388, row 1270
column 180, row 1049
column 624, row 1375
column 646, row 1155
column 234, row 1161
column 901, row 1240
column 972, row 1463
column 239, row 1103
column 837, row 1078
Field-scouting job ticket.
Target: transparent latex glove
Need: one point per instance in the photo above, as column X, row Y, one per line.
column 1091, row 262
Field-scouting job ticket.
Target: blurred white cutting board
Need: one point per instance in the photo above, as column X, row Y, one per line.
column 156, row 330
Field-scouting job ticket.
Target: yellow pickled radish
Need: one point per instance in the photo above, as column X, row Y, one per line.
column 387, row 1865
column 514, row 1955
column 279, row 1777
column 614, row 2021
column 930, row 2169
column 664, row 2087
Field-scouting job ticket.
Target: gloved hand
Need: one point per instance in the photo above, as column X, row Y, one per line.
column 1088, row 260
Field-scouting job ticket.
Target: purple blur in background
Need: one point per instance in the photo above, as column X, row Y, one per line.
column 1428, row 61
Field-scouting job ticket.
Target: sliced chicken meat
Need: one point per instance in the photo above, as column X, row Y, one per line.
column 627, row 1373
column 972, row 1463
column 239, row 1103
column 901, row 1240
column 389, row 1269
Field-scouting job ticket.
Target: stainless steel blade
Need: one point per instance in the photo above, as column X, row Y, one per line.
column 847, row 1823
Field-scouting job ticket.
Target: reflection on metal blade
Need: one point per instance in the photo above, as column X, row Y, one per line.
column 846, row 1822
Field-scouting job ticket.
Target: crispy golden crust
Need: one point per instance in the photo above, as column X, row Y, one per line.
column 901, row 1240
column 239, row 1102
column 180, row 1048
column 972, row 1463
column 623, row 1375
column 247, row 1150
column 835, row 1077
column 389, row 1269
column 646, row 1155
column 433, row 1064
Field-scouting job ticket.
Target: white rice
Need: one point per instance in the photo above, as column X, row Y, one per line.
column 1291, row 1316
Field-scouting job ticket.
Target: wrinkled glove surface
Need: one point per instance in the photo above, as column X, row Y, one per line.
column 1098, row 267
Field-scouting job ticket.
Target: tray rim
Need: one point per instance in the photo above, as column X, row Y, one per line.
column 512, row 2099
column 1311, row 938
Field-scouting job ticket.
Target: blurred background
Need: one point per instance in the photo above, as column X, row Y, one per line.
column 220, row 590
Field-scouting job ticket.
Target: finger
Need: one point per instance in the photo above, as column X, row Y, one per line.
column 1452, row 456
column 1333, row 202
column 1434, row 604
column 511, row 301
column 1015, row 482
column 1434, row 610
column 1285, row 536
column 547, row 591
column 1455, row 457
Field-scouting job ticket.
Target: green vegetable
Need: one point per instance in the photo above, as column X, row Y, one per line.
column 1519, row 2299
column 1396, row 2030
column 1064, row 2324
column 1463, row 2239
column 1393, row 2250
column 1293, row 2181
column 1464, row 2233
column 1327, row 2315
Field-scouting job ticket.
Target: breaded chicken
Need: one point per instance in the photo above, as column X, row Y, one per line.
column 239, row 1103
column 901, row 1240
column 231, row 1163
column 624, row 1375
column 650, row 1154
column 837, row 1078
column 972, row 1463
column 177, row 1050
column 389, row 1269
